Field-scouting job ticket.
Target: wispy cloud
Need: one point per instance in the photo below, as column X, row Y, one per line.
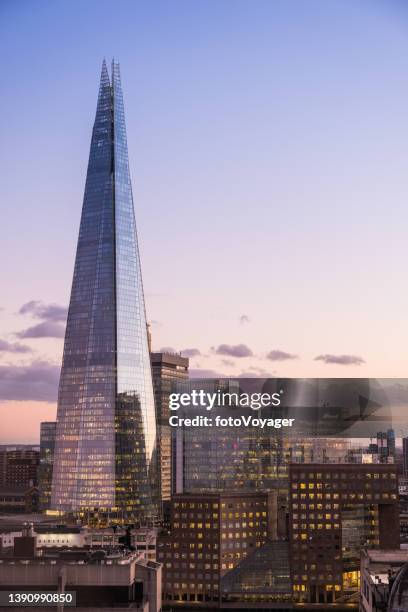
column 13, row 347
column 202, row 373
column 191, row 352
column 155, row 323
column 340, row 359
column 47, row 329
column 47, row 312
column 233, row 350
column 255, row 372
column 243, row 319
column 37, row 381
column 277, row 355
column 53, row 318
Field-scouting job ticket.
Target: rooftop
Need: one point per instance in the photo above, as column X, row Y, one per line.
column 387, row 556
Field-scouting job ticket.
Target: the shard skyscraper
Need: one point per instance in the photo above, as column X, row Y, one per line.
column 105, row 450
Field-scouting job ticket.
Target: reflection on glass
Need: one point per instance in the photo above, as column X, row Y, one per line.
column 106, row 429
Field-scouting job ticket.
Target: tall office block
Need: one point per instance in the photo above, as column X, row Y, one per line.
column 335, row 512
column 105, row 447
column 219, row 552
column 47, row 446
column 167, row 368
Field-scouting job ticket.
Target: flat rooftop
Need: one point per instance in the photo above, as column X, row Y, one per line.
column 387, row 556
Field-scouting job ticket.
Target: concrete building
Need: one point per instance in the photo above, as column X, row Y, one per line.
column 383, row 573
column 18, row 500
column 57, row 537
column 102, row 579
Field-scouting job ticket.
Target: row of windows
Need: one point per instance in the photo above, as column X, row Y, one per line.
column 343, row 475
column 344, row 496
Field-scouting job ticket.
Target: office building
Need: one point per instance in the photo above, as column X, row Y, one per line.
column 336, row 511
column 105, row 444
column 241, row 458
column 213, row 534
column 19, row 500
column 391, row 443
column 384, row 446
column 224, row 458
column 166, row 368
column 18, row 466
column 47, row 445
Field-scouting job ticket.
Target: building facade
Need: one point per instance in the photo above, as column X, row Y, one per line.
column 215, row 547
column 47, row 446
column 18, row 466
column 107, row 579
column 105, row 446
column 166, row 368
column 221, row 459
column 335, row 511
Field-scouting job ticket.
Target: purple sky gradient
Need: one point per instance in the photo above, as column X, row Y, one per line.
column 269, row 153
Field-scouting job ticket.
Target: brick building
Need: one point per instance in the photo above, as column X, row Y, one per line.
column 335, row 511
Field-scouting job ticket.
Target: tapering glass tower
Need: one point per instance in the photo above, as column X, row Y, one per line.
column 105, row 448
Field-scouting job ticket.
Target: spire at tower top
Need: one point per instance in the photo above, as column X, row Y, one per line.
column 104, row 75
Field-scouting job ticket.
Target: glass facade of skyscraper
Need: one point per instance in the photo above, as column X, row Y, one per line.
column 105, row 450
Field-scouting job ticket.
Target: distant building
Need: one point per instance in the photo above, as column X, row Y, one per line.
column 240, row 458
column 385, row 446
column 405, row 456
column 212, row 535
column 19, row 500
column 18, row 466
column 47, row 444
column 335, row 511
column 230, row 459
column 166, row 368
column 391, row 442
column 144, row 541
column 384, row 580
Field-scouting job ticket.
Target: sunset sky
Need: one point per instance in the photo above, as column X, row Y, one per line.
column 268, row 146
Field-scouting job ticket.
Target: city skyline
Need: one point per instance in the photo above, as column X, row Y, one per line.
column 236, row 153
